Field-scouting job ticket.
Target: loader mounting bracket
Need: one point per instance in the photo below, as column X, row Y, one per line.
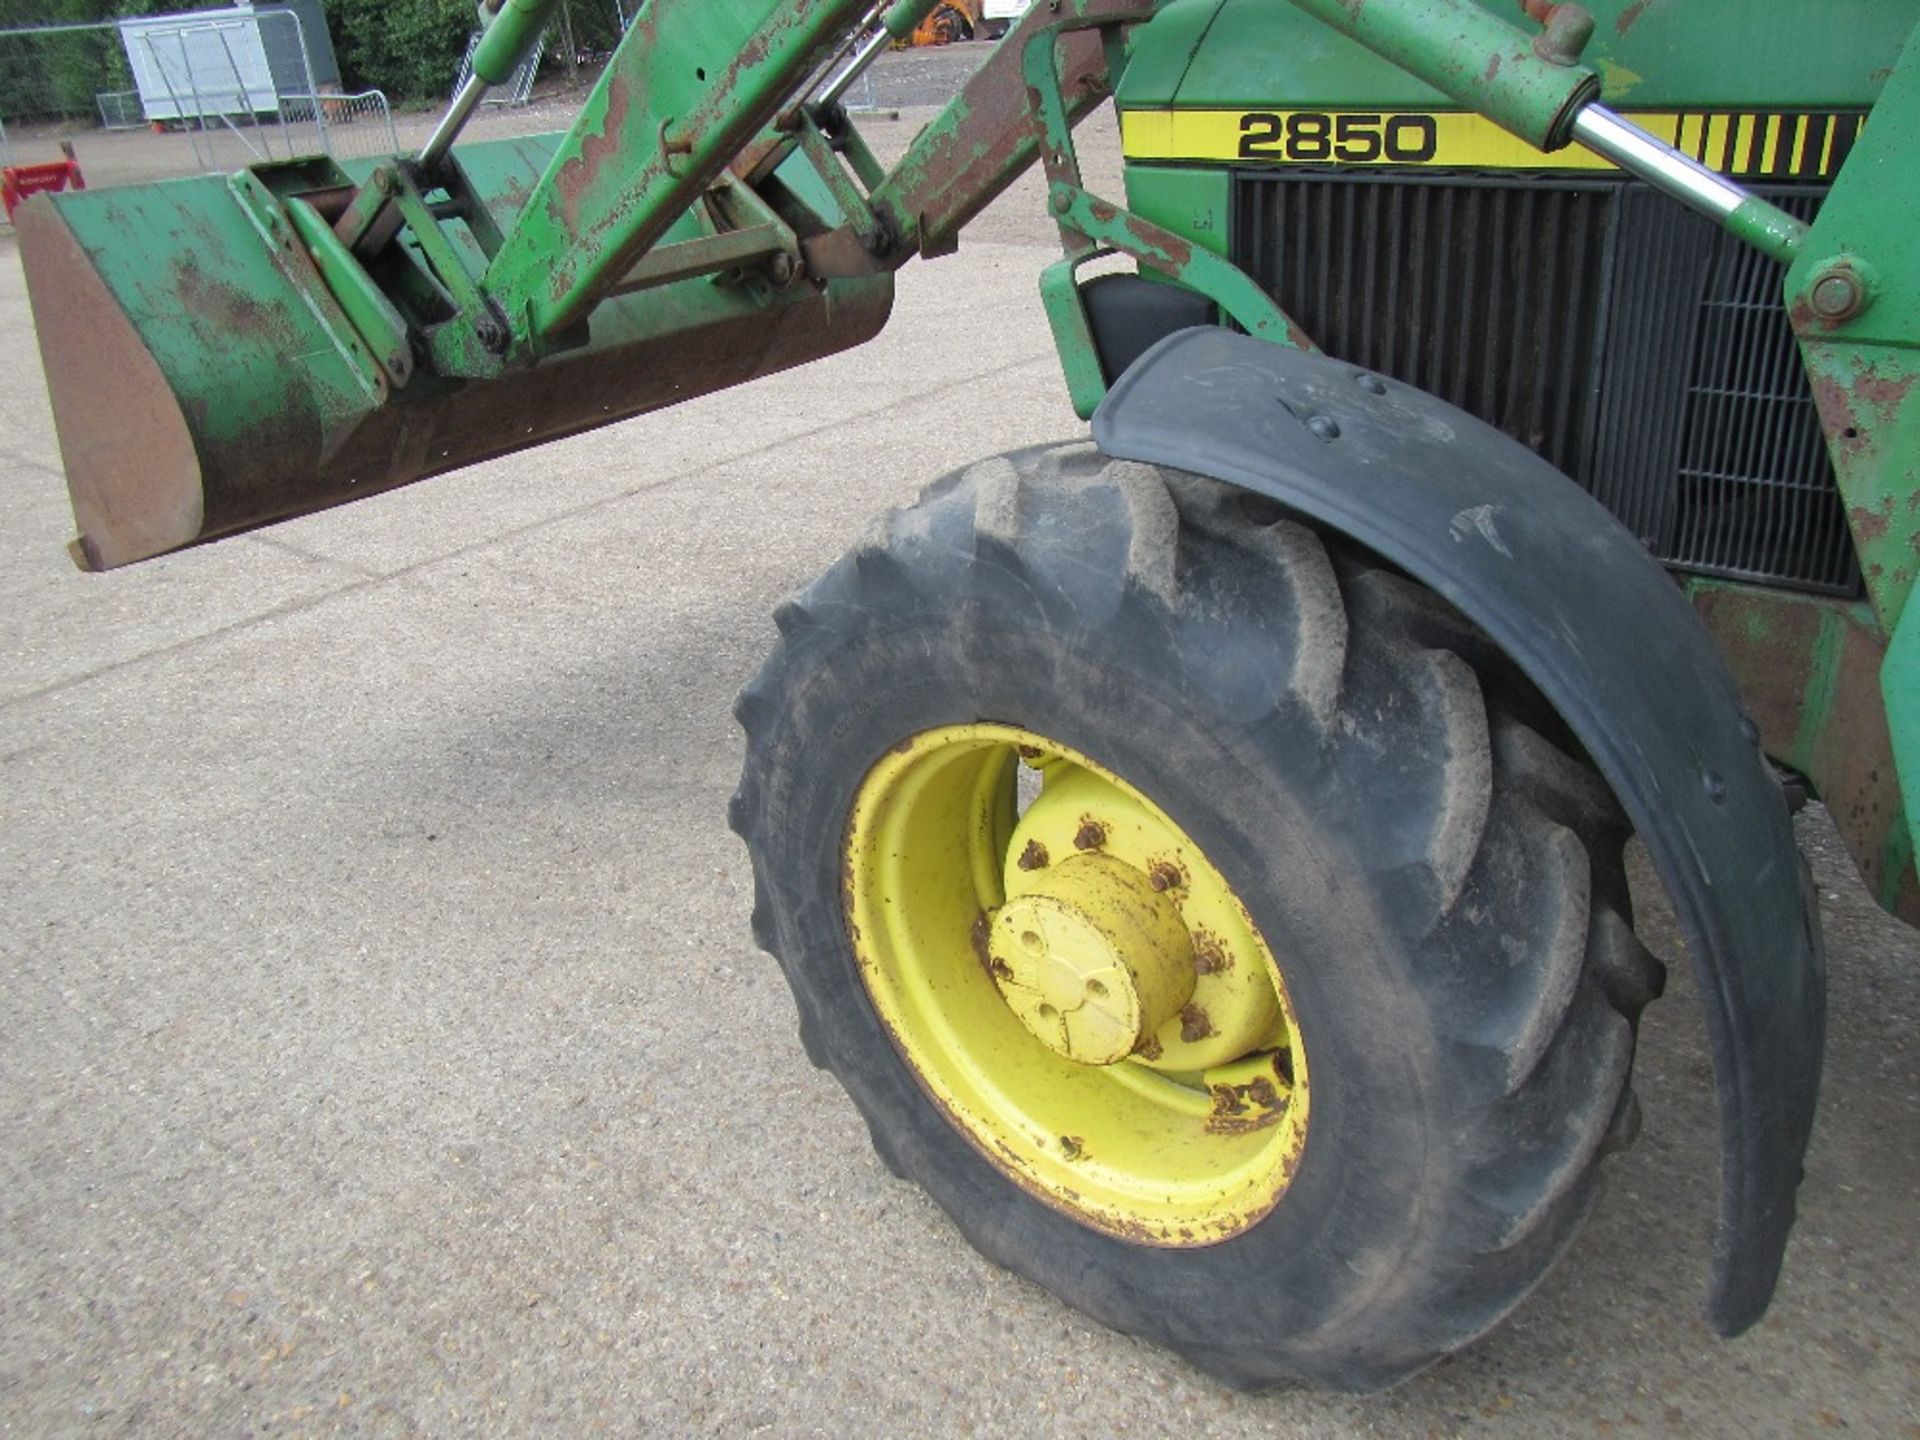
column 1606, row 635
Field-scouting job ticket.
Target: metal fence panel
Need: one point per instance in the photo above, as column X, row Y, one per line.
column 204, row 73
column 120, row 110
column 339, row 125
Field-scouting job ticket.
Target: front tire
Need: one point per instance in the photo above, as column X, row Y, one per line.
column 1431, row 876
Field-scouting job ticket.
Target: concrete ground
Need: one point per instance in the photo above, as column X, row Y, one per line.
column 383, row 1051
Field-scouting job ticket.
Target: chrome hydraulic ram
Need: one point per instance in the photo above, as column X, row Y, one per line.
column 508, row 36
column 900, row 21
column 1673, row 172
column 1542, row 93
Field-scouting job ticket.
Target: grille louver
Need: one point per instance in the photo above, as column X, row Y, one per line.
column 1635, row 345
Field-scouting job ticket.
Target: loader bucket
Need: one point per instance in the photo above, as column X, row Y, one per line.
column 200, row 389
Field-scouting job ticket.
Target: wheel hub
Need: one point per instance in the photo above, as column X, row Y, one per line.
column 1141, row 866
column 1093, row 960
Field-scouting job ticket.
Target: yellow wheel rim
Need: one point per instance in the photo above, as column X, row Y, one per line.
column 1075, row 984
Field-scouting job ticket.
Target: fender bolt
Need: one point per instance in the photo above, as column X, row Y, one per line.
column 1837, row 295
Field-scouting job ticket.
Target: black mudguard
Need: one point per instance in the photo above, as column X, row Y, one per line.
column 1573, row 597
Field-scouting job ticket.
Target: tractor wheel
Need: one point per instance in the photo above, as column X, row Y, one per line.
column 1207, row 917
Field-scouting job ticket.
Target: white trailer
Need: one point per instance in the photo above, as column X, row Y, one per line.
column 206, row 64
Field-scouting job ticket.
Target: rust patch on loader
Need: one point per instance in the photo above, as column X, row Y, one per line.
column 227, row 307
column 1153, row 237
column 578, row 175
column 1877, row 389
column 1869, row 524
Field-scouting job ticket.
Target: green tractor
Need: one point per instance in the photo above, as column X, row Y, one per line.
column 1198, row 849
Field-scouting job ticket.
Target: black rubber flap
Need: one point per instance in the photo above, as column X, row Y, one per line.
column 1572, row 596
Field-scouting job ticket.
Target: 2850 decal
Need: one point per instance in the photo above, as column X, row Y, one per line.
column 1314, row 137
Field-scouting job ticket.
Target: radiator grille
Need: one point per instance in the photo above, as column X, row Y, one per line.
column 1635, row 345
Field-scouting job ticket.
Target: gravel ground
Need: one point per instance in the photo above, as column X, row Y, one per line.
column 383, row 1050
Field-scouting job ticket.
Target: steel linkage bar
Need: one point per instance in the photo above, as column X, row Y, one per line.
column 991, row 133
column 693, row 82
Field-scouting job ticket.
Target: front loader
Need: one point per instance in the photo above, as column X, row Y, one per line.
column 1197, row 849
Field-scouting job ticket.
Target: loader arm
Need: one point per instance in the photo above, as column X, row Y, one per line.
column 698, row 226
column 649, row 142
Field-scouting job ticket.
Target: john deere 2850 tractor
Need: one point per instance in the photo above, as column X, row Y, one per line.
column 1198, row 849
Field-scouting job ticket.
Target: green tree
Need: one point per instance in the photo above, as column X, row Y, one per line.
column 409, row 48
column 51, row 74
